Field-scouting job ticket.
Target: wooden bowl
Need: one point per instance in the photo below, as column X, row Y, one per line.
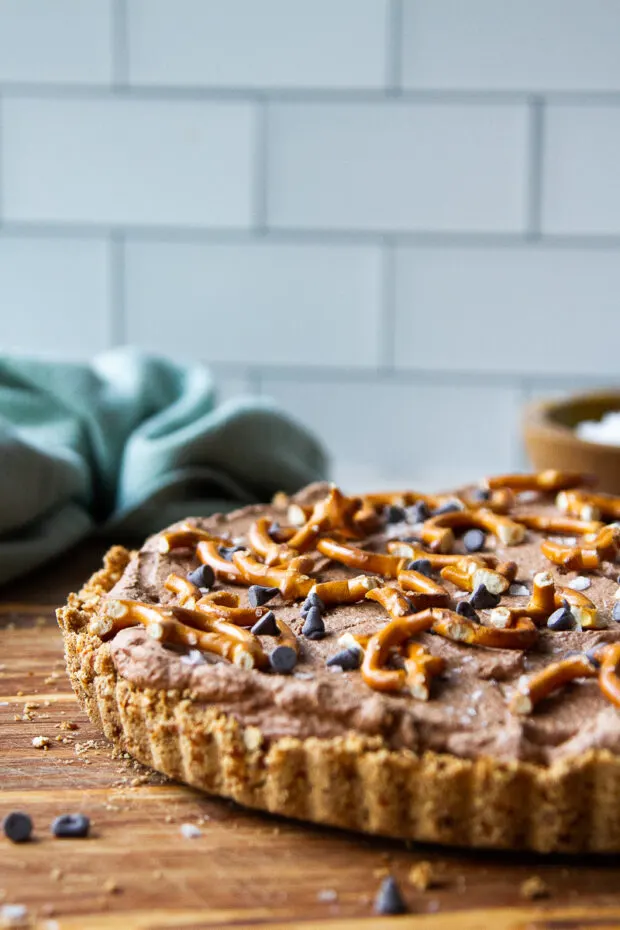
column 551, row 441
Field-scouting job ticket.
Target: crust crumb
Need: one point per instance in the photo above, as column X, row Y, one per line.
column 422, row 875
column 534, row 887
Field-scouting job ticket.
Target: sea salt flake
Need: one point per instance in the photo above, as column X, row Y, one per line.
column 580, row 583
column 193, row 657
column 472, row 711
column 12, row 912
column 190, row 831
column 327, row 895
column 518, row 590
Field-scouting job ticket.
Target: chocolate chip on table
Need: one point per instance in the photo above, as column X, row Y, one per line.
column 266, row 626
column 394, row 514
column 418, row 512
column 347, row 659
column 70, row 826
column 561, row 619
column 615, row 613
column 313, row 600
column 313, row 628
column 17, row 827
column 258, row 594
column 423, row 566
column 465, row 609
column 482, row 599
column 474, row 540
column 283, row 659
column 389, row 899
column 202, row 577
column 227, row 552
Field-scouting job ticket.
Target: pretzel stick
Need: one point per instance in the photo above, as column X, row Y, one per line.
column 186, row 537
column 373, row 562
column 166, row 625
column 187, row 592
column 533, row 688
column 263, row 545
column 453, row 626
column 588, row 506
column 587, row 556
column 224, row 570
column 403, row 499
column 379, row 645
column 561, row 526
column 507, row 531
column 609, row 682
column 429, row 593
column 437, row 559
column 292, row 584
column 393, row 600
column 221, row 598
column 347, row 591
column 420, row 669
column 549, row 480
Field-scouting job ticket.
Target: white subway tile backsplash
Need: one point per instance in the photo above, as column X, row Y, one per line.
column 273, row 43
column 127, row 161
column 533, row 45
column 581, row 184
column 424, row 430
column 54, row 296
column 256, row 303
column 395, row 166
column 63, row 41
column 508, row 310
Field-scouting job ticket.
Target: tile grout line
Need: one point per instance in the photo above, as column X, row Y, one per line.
column 120, row 47
column 394, row 48
column 260, row 166
column 387, row 307
column 118, row 308
column 535, row 168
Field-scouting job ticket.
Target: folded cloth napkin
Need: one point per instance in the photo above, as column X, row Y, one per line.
column 128, row 444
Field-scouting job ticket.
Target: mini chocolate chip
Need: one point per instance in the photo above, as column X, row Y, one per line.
column 561, row 619
column 347, row 659
column 283, row 659
column 202, row 577
column 423, row 566
column 389, row 899
column 275, row 530
column 227, row 552
column 481, row 494
column 266, row 626
column 465, row 609
column 418, row 512
column 394, row 514
column 482, row 599
column 592, row 657
column 474, row 540
column 17, row 827
column 448, row 507
column 615, row 613
column 314, row 628
column 313, row 600
column 258, row 594
column 69, row 826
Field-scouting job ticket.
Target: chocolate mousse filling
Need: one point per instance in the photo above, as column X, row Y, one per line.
column 468, row 713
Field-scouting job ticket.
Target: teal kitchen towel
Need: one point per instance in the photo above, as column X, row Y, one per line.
column 128, row 444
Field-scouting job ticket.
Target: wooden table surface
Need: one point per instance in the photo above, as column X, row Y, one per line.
column 246, row 868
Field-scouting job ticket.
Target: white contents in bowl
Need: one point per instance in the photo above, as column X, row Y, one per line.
column 605, row 430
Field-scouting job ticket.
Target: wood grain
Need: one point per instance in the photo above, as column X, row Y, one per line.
column 246, row 868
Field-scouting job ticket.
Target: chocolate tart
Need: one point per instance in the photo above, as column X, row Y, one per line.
column 458, row 761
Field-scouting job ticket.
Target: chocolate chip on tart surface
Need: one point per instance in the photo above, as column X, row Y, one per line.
column 366, row 693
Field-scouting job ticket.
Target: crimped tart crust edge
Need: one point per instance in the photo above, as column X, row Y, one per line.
column 350, row 782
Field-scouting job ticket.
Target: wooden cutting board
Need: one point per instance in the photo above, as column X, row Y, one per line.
column 246, row 868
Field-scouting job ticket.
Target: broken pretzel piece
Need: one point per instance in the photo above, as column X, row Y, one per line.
column 546, row 597
column 587, row 556
column 420, row 669
column 437, row 531
column 207, row 552
column 425, row 591
column 347, row 591
column 392, row 600
column 522, row 635
column 589, row 506
column 186, row 628
column 261, row 543
column 437, row 559
column 533, row 688
column 559, row 526
column 470, row 571
column 334, row 512
column 547, row 481
column 187, row 536
column 374, row 562
column 291, row 583
column 609, row 681
column 380, row 644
